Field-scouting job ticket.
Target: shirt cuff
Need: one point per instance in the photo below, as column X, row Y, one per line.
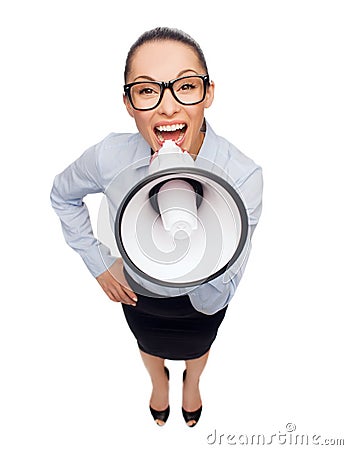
column 98, row 259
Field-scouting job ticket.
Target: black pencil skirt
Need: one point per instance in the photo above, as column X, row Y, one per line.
column 171, row 328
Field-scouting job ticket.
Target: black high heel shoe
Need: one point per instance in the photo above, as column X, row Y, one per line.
column 188, row 415
column 161, row 415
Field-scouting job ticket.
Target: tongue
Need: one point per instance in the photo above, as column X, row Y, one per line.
column 171, row 135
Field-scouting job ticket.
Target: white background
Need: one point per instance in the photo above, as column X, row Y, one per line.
column 70, row 375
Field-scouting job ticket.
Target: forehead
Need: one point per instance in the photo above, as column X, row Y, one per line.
column 164, row 60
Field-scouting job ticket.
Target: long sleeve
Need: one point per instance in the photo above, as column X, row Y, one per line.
column 246, row 177
column 216, row 294
column 82, row 177
column 251, row 191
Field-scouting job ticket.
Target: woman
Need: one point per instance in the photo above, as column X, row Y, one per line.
column 181, row 327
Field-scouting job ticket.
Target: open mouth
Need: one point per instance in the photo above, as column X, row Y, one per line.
column 175, row 132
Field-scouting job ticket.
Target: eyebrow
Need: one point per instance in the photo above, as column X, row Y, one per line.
column 147, row 77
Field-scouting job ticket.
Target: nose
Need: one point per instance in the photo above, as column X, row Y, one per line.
column 168, row 106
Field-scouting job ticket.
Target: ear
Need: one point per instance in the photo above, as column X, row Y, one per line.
column 128, row 105
column 209, row 97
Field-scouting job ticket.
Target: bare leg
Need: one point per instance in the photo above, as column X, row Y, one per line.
column 191, row 398
column 160, row 387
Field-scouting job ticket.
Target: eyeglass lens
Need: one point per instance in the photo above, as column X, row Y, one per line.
column 186, row 90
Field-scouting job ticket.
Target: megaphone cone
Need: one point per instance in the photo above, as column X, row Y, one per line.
column 180, row 226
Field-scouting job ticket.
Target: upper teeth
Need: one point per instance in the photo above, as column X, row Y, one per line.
column 178, row 126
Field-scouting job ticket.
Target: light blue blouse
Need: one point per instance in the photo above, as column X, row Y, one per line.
column 125, row 158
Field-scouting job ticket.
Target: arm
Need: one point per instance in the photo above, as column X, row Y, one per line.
column 81, row 178
column 216, row 294
column 251, row 192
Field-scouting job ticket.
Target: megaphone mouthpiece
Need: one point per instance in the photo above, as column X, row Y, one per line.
column 169, row 156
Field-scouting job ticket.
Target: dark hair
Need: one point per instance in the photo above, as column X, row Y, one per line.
column 164, row 34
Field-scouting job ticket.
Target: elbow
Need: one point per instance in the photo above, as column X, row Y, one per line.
column 55, row 197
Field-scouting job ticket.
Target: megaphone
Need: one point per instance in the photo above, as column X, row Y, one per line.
column 181, row 225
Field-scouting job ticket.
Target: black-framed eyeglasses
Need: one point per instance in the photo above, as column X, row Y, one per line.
column 147, row 95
